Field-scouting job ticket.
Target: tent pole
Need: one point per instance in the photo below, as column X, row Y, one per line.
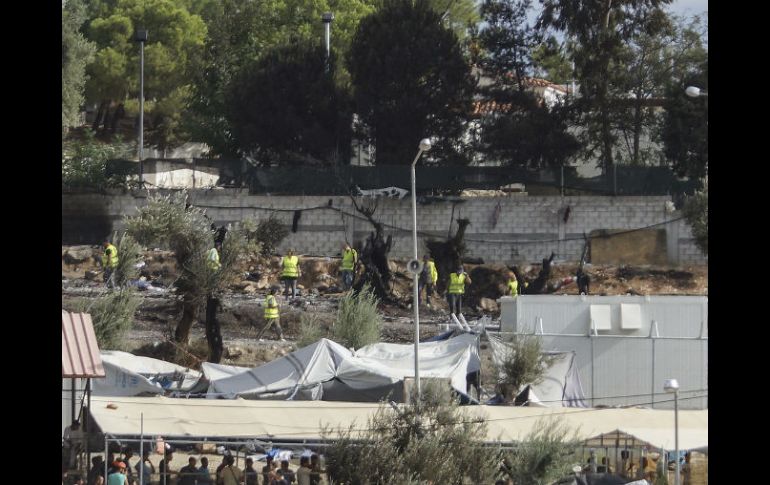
column 85, row 424
column 106, row 454
column 141, row 449
column 72, row 401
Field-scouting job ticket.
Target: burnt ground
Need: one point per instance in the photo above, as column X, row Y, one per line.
column 241, row 312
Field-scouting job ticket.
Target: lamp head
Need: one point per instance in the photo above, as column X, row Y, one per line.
column 671, row 385
column 425, row 144
column 692, row 91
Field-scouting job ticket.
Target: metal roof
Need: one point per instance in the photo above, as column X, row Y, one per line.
column 80, row 356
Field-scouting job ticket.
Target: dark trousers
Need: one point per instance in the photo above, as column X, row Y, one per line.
column 455, row 302
column 347, row 279
column 429, row 288
column 290, row 284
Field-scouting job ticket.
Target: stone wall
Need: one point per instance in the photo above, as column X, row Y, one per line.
column 516, row 228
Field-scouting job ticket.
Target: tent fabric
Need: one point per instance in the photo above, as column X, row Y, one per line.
column 326, row 370
column 303, row 420
column 132, row 375
column 561, row 385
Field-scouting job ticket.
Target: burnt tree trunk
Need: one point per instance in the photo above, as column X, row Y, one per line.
column 448, row 255
column 189, row 312
column 213, row 331
column 374, row 256
column 538, row 286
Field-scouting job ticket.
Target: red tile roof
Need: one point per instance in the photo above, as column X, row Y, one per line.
column 80, row 356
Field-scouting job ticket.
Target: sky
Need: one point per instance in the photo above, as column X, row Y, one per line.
column 689, row 7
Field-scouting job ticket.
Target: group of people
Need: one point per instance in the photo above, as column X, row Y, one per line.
column 122, row 472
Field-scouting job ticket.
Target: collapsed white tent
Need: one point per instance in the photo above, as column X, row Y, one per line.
column 302, row 420
column 561, row 385
column 327, row 371
column 132, row 375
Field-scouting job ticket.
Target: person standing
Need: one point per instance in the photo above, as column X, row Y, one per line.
column 303, row 472
column 188, row 474
column 127, row 460
column 286, row 473
column 349, row 260
column 249, row 473
column 267, row 469
column 164, row 470
column 428, row 278
column 145, row 467
column 456, row 290
column 290, row 272
column 212, row 257
column 118, row 477
column 231, row 474
column 513, row 285
column 204, row 475
column 109, row 263
column 272, row 317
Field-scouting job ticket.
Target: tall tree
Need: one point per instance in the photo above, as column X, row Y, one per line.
column 240, row 32
column 288, row 108
column 599, row 32
column 459, row 15
column 76, row 53
column 172, row 53
column 551, row 61
column 520, row 129
column 410, row 82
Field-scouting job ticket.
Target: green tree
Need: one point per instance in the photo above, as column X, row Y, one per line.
column 410, row 82
column 169, row 222
column 522, row 130
column 84, row 163
column 358, row 322
column 684, row 130
column 523, row 363
column 545, row 455
column 76, row 53
column 459, row 15
column 551, row 61
column 411, row 445
column 287, row 108
column 598, row 33
column 172, row 53
column 240, row 33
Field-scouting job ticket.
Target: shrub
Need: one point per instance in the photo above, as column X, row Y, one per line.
column 524, row 363
column 358, row 323
column 310, row 330
column 545, row 455
column 84, row 163
column 696, row 212
column 269, row 234
column 112, row 316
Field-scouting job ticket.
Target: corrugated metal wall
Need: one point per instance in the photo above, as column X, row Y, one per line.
column 621, row 366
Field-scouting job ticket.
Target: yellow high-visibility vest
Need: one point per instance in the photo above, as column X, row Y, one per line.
column 110, row 261
column 271, row 308
column 290, row 266
column 212, row 259
column 514, row 286
column 349, row 258
column 456, row 284
column 433, row 272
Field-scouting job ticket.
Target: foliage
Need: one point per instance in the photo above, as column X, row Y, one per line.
column 545, row 455
column 524, row 363
column 129, row 255
column 410, row 82
column 521, row 130
column 84, row 163
column 241, row 32
column 167, row 221
column 310, row 330
column 684, row 130
column 76, row 53
column 172, row 52
column 287, row 108
column 266, row 235
column 551, row 61
column 410, row 447
column 358, row 322
column 696, row 212
column 112, row 315
column 459, row 15
column 600, row 33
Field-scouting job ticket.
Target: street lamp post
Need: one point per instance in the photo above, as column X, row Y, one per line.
column 327, row 18
column 671, row 385
column 424, row 146
column 141, row 37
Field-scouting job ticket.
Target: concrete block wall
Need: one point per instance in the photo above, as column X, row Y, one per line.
column 510, row 229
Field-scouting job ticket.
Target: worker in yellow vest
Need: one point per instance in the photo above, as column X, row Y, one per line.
column 109, row 263
column 428, row 278
column 272, row 318
column 212, row 257
column 290, row 272
column 348, row 267
column 456, row 290
column 513, row 285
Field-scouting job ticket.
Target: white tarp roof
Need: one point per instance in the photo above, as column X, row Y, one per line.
column 132, row 375
column 561, row 385
column 327, row 370
column 239, row 418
